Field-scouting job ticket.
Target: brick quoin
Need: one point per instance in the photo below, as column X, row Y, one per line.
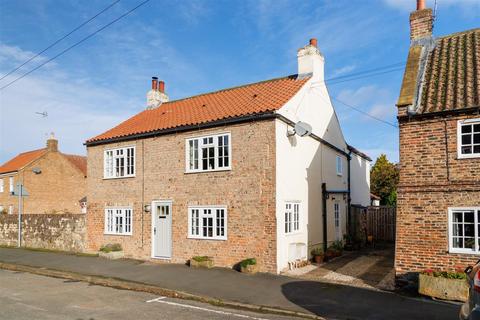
column 248, row 191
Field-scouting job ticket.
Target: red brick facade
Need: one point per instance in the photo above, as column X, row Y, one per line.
column 248, row 191
column 432, row 179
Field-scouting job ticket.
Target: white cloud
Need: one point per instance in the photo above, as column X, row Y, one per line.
column 343, row 70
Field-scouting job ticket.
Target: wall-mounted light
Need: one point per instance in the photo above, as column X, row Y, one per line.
column 37, row 170
column 147, row 208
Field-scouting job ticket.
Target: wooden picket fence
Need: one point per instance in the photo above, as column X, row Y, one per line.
column 381, row 223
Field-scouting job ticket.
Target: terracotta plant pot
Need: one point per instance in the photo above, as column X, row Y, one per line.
column 319, row 259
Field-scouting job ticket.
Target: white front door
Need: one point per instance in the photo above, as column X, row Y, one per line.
column 162, row 229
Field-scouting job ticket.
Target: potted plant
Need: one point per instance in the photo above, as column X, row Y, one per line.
column 111, row 251
column 337, row 248
column 201, row 262
column 448, row 285
column 249, row 266
column 318, row 255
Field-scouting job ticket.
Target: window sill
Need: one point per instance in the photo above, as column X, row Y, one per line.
column 207, row 171
column 468, row 156
column 212, row 239
column 459, row 251
column 114, row 178
column 117, row 234
column 296, row 233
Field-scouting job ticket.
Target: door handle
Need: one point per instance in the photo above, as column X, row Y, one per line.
column 154, row 230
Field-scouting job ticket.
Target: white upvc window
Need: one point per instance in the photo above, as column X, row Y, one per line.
column 336, row 215
column 10, row 182
column 1, row 185
column 119, row 163
column 208, row 153
column 468, row 138
column 463, row 230
column 207, row 222
column 292, row 217
column 339, row 165
column 10, row 209
column 118, row 220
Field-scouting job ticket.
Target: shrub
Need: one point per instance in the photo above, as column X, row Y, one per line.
column 201, row 258
column 317, row 251
column 111, row 247
column 248, row 262
column 337, row 245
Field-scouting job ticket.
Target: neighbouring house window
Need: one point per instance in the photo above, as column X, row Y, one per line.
column 118, row 221
column 336, row 213
column 119, row 163
column 207, row 223
column 292, row 217
column 10, row 209
column 339, row 165
column 469, row 138
column 10, row 180
column 1, row 185
column 208, row 153
column 464, row 224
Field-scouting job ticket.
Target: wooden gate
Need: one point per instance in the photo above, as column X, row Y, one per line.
column 380, row 223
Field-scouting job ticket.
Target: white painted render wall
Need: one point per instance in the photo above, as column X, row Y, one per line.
column 303, row 164
column 360, row 180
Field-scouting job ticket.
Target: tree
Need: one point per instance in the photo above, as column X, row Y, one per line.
column 384, row 180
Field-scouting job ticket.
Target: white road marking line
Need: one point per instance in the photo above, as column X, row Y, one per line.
column 156, row 299
column 225, row 313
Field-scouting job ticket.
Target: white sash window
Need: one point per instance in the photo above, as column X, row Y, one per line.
column 209, row 153
column 119, row 163
column 207, row 223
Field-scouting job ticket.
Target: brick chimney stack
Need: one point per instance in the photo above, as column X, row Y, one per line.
column 310, row 60
column 421, row 22
column 157, row 95
column 52, row 143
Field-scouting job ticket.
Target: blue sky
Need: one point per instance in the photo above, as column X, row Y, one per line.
column 199, row 46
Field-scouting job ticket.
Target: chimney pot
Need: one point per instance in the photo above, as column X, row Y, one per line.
column 420, row 4
column 161, row 86
column 154, row 83
column 313, row 42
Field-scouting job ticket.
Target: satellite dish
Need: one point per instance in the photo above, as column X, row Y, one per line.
column 303, row 129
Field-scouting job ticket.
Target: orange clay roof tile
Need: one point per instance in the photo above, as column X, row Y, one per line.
column 250, row 99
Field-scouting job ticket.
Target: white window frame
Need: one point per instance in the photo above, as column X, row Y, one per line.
column 201, row 210
column 109, row 162
column 10, row 209
column 339, row 165
column 337, row 221
column 1, row 185
column 451, row 249
column 460, row 124
column 10, row 183
column 215, row 145
column 292, row 217
column 111, row 214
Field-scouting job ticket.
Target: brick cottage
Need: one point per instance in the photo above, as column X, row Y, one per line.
column 225, row 174
column 56, row 182
column 438, row 220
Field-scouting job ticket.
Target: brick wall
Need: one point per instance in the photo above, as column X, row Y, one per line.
column 432, row 179
column 57, row 189
column 247, row 191
column 64, row 232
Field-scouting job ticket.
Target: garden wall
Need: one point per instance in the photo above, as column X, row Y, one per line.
column 64, row 232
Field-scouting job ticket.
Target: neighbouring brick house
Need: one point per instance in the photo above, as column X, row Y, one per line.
column 56, row 182
column 438, row 216
column 225, row 174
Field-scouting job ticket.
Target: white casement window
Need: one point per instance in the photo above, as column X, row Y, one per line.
column 468, row 138
column 10, row 209
column 207, row 223
column 119, row 163
column 463, row 231
column 209, row 153
column 336, row 216
column 1, row 185
column 339, row 165
column 118, row 220
column 10, row 182
column 292, row 217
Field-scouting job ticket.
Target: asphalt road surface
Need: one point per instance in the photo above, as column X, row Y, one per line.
column 27, row 296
